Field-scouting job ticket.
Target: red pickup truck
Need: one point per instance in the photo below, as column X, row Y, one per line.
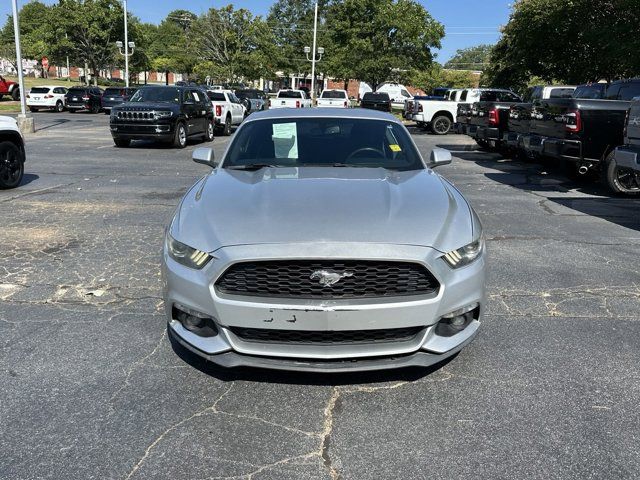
column 7, row 87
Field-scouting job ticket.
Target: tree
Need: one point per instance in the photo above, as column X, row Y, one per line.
column 573, row 42
column 92, row 27
column 231, row 44
column 436, row 76
column 291, row 23
column 472, row 58
column 172, row 44
column 379, row 40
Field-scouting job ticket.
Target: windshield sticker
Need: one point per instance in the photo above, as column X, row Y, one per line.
column 395, row 148
column 285, row 140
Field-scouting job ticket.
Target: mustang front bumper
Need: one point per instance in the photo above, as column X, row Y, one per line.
column 195, row 289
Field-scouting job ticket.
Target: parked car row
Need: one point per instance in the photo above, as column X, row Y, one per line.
column 595, row 129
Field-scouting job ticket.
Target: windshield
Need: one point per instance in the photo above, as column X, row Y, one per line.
column 155, row 94
column 334, row 94
column 242, row 94
column 325, row 142
column 216, row 96
column 379, row 97
column 40, row 90
column 595, row 91
column 289, row 94
column 76, row 90
column 114, row 91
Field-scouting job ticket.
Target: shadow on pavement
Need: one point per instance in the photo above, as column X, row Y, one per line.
column 27, row 178
column 302, row 378
column 551, row 176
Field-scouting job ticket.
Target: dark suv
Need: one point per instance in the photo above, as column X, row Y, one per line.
column 84, row 98
column 622, row 167
column 164, row 113
column 376, row 101
column 113, row 96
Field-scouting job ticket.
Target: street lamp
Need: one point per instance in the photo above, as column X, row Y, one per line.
column 25, row 121
column 127, row 45
column 130, row 46
column 313, row 60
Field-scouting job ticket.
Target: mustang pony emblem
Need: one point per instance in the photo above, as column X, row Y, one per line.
column 328, row 278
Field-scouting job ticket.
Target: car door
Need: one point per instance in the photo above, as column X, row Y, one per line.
column 190, row 110
column 201, row 108
column 237, row 112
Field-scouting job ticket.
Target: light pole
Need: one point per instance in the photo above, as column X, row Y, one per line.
column 25, row 122
column 127, row 44
column 313, row 60
column 126, row 54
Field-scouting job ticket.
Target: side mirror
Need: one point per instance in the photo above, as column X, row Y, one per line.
column 439, row 157
column 204, row 155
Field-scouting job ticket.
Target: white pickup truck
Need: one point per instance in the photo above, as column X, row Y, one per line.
column 228, row 110
column 290, row 99
column 440, row 115
column 333, row 99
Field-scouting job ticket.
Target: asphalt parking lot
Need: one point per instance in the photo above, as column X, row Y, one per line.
column 91, row 388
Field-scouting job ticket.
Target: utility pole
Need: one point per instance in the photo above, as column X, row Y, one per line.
column 313, row 63
column 68, row 69
column 126, row 47
column 25, row 121
column 313, row 59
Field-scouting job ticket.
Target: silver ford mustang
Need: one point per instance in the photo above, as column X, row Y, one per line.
column 323, row 241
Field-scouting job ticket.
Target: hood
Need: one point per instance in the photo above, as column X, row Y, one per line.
column 145, row 106
column 334, row 205
column 8, row 122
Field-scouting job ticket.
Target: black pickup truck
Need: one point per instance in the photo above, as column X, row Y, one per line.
column 583, row 129
column 163, row 113
column 516, row 134
column 622, row 166
column 488, row 118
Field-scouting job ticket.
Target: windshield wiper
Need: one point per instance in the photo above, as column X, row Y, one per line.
column 251, row 166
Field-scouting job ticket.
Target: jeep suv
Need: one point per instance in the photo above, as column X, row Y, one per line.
column 168, row 114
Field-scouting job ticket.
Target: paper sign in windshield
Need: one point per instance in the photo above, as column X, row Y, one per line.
column 285, row 140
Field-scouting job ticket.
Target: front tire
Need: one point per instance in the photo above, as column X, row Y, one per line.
column 621, row 180
column 180, row 137
column 226, row 131
column 95, row 108
column 15, row 94
column 441, row 125
column 59, row 106
column 11, row 165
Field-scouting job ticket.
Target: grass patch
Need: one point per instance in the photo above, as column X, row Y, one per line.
column 10, row 107
column 34, row 82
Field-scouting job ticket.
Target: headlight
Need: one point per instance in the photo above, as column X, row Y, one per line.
column 465, row 255
column 186, row 255
column 163, row 114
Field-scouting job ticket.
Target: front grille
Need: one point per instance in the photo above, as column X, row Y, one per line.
column 136, row 115
column 346, row 337
column 302, row 279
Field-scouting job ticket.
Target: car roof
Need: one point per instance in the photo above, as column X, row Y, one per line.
column 361, row 113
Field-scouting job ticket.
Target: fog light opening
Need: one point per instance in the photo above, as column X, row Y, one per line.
column 457, row 321
column 199, row 323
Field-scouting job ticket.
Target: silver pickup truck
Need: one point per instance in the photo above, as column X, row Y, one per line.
column 323, row 241
column 622, row 168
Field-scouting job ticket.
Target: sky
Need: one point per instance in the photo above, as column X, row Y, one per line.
column 467, row 22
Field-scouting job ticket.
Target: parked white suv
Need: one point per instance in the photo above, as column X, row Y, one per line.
column 333, row 99
column 228, row 110
column 47, row 96
column 290, row 99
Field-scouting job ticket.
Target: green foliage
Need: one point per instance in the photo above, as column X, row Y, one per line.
column 378, row 40
column 436, row 76
column 573, row 41
column 231, row 44
column 472, row 58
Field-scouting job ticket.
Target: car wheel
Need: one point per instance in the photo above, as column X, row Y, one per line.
column 441, row 125
column 227, row 126
column 33, row 109
column 95, row 108
column 208, row 136
column 122, row 142
column 59, row 106
column 11, row 165
column 180, row 138
column 72, row 110
column 621, row 180
column 15, row 94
